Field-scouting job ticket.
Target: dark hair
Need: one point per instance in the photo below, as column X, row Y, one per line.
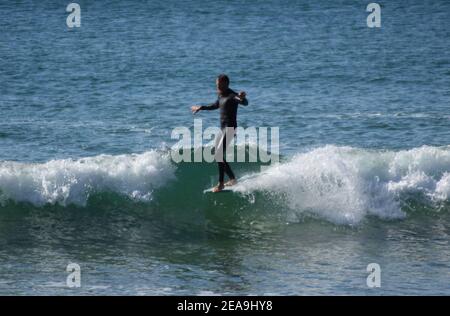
column 224, row 78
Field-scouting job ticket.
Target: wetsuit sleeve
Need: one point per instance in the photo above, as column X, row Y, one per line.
column 212, row 106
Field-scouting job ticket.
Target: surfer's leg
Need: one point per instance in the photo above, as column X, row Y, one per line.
column 221, row 171
column 228, row 170
column 224, row 167
column 220, row 186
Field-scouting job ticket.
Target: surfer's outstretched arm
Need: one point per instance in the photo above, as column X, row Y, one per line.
column 212, row 106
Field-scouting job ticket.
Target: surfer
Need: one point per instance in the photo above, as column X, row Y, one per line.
column 227, row 102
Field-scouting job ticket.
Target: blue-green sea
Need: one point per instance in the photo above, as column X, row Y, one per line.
column 86, row 168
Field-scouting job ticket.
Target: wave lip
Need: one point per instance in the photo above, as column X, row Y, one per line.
column 344, row 184
column 68, row 181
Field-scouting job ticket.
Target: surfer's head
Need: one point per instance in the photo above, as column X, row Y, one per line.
column 222, row 83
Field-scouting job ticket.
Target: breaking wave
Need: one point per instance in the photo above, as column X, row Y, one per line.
column 343, row 185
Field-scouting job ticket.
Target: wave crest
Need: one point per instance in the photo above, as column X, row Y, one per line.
column 70, row 181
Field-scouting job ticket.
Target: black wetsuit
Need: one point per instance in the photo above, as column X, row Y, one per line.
column 228, row 105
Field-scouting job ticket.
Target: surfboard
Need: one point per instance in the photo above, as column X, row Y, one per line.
column 230, row 188
column 210, row 190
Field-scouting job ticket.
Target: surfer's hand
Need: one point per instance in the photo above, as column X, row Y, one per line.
column 242, row 95
column 195, row 109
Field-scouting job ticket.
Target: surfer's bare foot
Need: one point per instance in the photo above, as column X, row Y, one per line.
column 219, row 187
column 230, row 183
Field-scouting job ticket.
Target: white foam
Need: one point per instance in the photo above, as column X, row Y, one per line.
column 344, row 184
column 72, row 181
column 443, row 188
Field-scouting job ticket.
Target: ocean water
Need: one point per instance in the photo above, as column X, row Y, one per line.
column 86, row 174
